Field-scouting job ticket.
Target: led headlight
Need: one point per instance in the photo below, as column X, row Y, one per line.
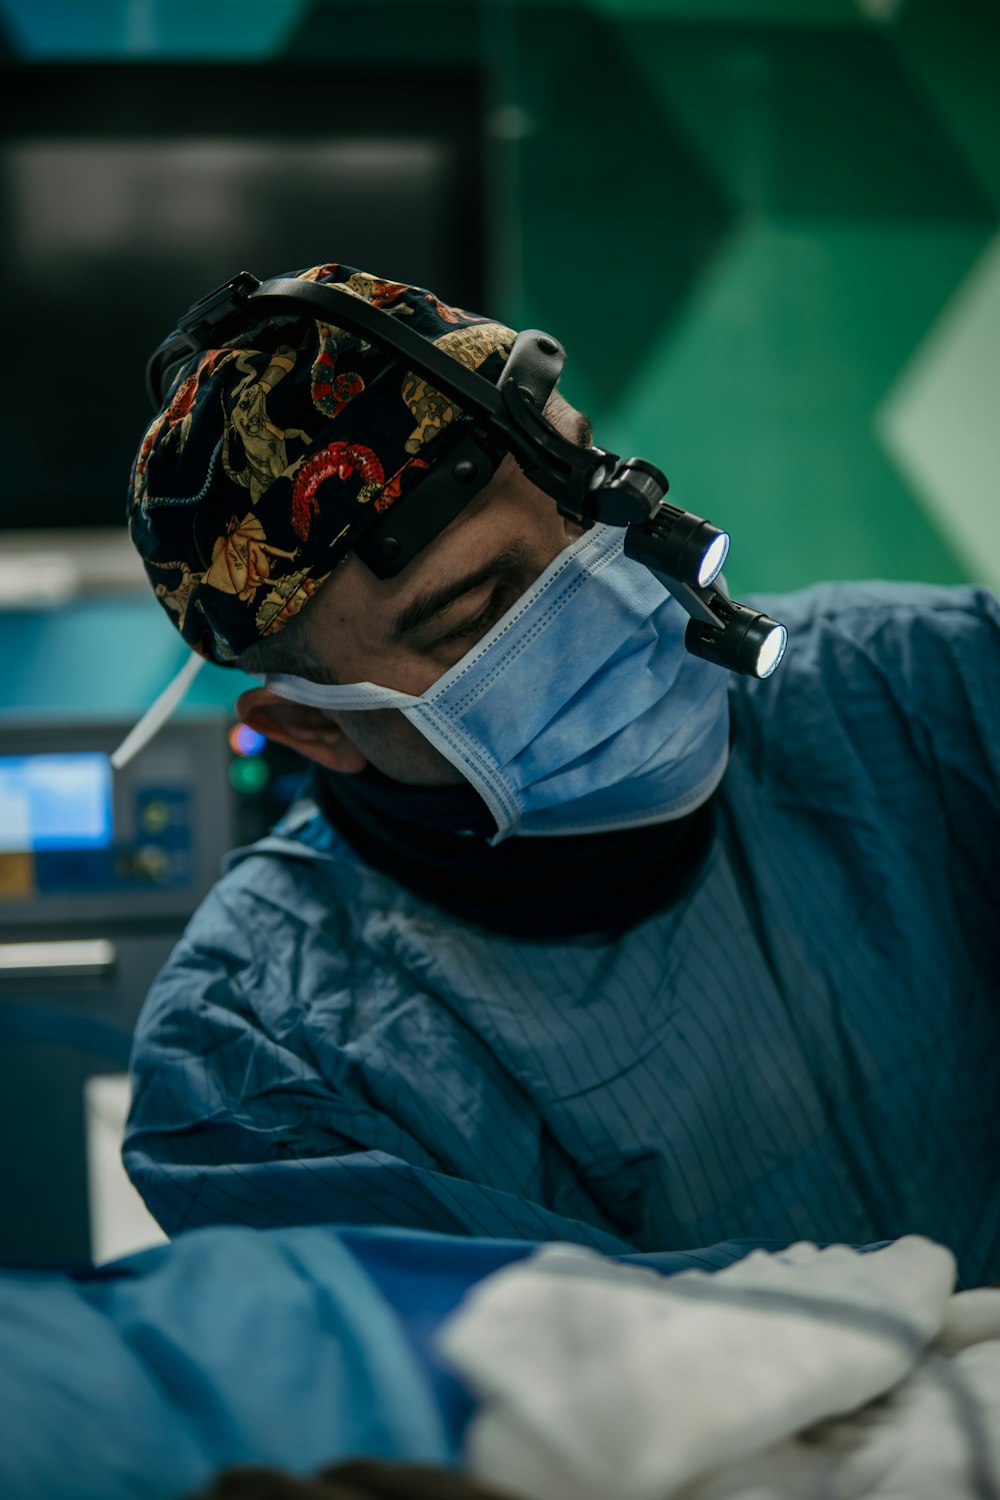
column 771, row 649
column 677, row 544
column 715, row 555
column 744, row 641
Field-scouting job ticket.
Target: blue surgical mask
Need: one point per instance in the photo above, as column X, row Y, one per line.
column 581, row 711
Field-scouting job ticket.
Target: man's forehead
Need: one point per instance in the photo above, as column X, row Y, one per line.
column 464, row 542
column 469, row 543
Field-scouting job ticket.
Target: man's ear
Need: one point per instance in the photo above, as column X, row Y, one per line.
column 306, row 730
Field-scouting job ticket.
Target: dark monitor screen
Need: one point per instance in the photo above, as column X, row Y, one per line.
column 128, row 192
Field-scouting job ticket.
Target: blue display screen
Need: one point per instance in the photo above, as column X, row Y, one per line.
column 55, row 801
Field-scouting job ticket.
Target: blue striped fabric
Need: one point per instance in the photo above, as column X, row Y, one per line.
column 807, row 1046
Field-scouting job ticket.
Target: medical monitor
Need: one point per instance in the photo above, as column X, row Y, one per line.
column 85, row 848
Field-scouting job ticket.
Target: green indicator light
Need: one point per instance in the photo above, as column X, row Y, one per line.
column 249, row 776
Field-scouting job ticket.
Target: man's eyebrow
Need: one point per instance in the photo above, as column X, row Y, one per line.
column 426, row 606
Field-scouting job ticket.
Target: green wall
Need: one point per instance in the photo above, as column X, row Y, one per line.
column 766, row 232
column 783, row 284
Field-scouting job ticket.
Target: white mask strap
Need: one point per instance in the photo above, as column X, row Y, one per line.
column 158, row 712
column 354, row 695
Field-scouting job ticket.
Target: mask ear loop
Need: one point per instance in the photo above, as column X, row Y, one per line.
column 158, row 712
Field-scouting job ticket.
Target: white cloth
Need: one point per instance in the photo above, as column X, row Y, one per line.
column 601, row 1382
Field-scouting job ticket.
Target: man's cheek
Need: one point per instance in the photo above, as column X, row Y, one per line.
column 396, row 747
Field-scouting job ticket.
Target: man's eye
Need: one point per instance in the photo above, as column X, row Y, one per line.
column 478, row 626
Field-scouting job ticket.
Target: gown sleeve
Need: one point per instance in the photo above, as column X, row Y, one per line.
column 234, row 1121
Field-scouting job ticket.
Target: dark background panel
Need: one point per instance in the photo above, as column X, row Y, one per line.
column 123, row 209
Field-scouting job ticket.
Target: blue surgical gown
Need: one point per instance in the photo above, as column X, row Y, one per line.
column 806, row 1045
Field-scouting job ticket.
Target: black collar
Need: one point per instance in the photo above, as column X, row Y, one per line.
column 432, row 840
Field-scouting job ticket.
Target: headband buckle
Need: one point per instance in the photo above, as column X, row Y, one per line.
column 206, row 322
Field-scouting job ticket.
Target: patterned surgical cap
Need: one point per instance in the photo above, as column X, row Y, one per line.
column 274, row 453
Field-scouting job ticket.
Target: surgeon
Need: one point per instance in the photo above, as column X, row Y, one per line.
column 574, row 934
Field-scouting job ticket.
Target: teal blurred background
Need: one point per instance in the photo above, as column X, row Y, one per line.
column 766, row 231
